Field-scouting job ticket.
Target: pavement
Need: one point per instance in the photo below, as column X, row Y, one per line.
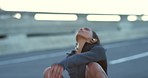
column 126, row 59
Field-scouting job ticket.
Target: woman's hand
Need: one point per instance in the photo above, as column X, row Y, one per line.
column 55, row 71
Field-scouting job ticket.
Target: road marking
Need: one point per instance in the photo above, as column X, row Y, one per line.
column 125, row 59
column 32, row 58
column 44, row 56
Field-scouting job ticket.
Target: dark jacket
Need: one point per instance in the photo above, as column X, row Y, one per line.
column 75, row 64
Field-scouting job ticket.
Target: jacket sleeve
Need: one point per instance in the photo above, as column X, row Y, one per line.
column 95, row 54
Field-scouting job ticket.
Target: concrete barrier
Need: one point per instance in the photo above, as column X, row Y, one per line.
column 19, row 43
column 29, row 35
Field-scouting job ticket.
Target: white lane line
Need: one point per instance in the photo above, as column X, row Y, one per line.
column 125, row 59
column 32, row 58
column 44, row 56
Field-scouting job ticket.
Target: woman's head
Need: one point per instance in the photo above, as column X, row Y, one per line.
column 87, row 35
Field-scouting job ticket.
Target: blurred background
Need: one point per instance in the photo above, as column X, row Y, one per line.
column 36, row 33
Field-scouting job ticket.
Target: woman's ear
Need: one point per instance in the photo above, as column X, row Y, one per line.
column 93, row 40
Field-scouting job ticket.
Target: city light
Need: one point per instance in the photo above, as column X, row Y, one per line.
column 103, row 18
column 17, row 16
column 144, row 18
column 132, row 18
column 56, row 17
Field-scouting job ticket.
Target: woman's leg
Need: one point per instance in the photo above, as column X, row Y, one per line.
column 46, row 72
column 94, row 70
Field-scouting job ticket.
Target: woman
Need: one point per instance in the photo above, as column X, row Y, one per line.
column 88, row 60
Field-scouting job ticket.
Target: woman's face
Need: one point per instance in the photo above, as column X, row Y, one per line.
column 85, row 33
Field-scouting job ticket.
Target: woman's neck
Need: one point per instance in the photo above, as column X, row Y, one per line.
column 81, row 44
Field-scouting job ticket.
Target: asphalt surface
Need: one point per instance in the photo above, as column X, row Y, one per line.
column 126, row 59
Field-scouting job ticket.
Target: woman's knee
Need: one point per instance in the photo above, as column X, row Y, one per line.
column 95, row 70
column 46, row 72
column 93, row 66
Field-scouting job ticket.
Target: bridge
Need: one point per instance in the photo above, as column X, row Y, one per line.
column 28, row 45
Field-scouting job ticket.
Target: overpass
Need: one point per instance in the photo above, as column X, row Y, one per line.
column 25, row 34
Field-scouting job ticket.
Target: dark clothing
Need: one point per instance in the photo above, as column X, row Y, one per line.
column 75, row 64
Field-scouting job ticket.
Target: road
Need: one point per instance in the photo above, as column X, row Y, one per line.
column 126, row 59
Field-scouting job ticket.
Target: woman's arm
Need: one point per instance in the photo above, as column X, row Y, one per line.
column 95, row 54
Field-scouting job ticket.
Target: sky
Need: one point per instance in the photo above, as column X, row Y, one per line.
column 78, row 6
